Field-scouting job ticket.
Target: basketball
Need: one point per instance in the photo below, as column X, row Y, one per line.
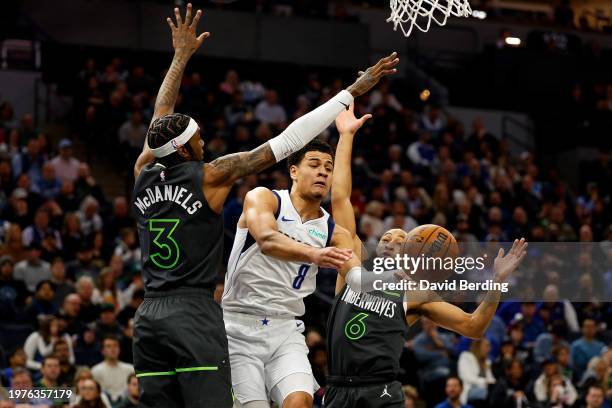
column 431, row 240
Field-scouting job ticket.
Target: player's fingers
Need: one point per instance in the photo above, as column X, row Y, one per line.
column 177, row 15
column 360, row 73
column 188, row 14
column 203, row 36
column 364, row 119
column 500, row 253
column 196, row 18
column 341, row 254
column 388, row 72
column 171, row 24
column 332, row 263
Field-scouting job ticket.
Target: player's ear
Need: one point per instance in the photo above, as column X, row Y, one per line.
column 183, row 152
column 293, row 172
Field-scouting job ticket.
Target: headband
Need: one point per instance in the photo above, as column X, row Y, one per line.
column 182, row 139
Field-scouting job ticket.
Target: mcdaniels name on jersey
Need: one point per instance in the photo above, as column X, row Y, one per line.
column 376, row 304
column 170, row 192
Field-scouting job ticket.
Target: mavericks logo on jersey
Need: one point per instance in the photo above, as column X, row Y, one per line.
column 375, row 304
column 176, row 194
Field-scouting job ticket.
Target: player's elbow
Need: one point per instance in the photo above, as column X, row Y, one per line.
column 266, row 242
column 473, row 330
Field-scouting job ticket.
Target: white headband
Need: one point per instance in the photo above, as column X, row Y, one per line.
column 180, row 140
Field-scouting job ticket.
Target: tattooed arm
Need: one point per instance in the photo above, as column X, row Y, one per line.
column 185, row 43
column 475, row 324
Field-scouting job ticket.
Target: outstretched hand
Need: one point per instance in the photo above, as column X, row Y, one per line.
column 371, row 76
column 346, row 122
column 503, row 266
column 184, row 37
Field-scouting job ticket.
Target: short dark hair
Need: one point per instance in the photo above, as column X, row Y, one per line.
column 59, row 342
column 316, row 145
column 597, row 387
column 133, row 375
column 164, row 129
column 110, row 337
column 51, row 357
column 454, row 377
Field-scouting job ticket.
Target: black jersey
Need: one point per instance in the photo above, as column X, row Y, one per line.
column 366, row 333
column 181, row 237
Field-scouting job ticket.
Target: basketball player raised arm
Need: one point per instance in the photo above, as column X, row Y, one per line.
column 220, row 174
column 442, row 313
column 185, row 44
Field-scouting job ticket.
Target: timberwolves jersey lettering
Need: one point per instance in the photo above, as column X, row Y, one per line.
column 259, row 284
column 367, row 332
column 180, row 236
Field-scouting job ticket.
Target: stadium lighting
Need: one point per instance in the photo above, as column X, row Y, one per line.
column 424, row 95
column 513, row 41
column 479, row 14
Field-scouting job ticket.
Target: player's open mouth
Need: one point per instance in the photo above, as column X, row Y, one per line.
column 319, row 183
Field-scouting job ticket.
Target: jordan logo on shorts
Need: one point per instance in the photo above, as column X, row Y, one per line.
column 385, row 393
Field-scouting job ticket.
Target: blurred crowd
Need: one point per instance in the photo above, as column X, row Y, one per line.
column 69, row 255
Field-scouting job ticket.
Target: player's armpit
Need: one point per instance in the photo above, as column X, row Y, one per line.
column 143, row 159
column 227, row 169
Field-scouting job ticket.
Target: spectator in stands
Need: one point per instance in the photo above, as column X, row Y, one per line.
column 399, row 218
column 597, row 373
column 132, row 397
column 132, row 134
column 62, row 349
column 119, row 219
column 129, row 310
column 41, row 303
column 86, row 185
column 453, row 391
column 71, row 308
column 595, row 397
column 50, row 370
column 511, row 391
column 128, row 249
column 42, row 234
column 432, row 349
column 48, row 186
column 474, row 369
column 84, row 264
column 531, row 322
column 22, row 380
column 421, row 153
column 561, row 354
column 67, row 198
column 551, row 386
column 270, row 111
column 13, row 292
column 106, row 325
column 90, row 395
column 65, row 164
column 112, row 374
column 63, row 287
column 546, row 342
column 16, row 360
column 89, row 218
column 40, row 343
column 29, row 162
column 33, row 269
column 87, row 348
column 89, row 311
column 586, row 347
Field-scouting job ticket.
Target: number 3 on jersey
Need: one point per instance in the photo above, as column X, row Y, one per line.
column 165, row 251
column 299, row 279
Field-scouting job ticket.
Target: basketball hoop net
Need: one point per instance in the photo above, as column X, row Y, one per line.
column 419, row 13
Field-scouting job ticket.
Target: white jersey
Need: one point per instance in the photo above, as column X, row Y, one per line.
column 262, row 285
